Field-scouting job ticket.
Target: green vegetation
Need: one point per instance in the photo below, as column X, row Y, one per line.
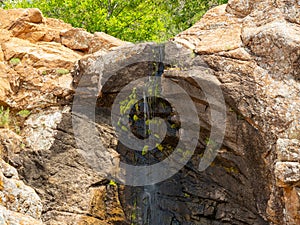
column 210, row 151
column 22, row 145
column 12, row 119
column 186, row 195
column 24, row 113
column 14, row 61
column 159, row 147
column 134, row 212
column 4, row 117
column 62, row 71
column 231, row 170
column 112, row 183
column 145, row 150
column 127, row 104
column 130, row 20
column 18, row 184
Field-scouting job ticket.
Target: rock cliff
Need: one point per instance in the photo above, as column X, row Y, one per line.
column 59, row 86
column 37, row 57
column 260, row 45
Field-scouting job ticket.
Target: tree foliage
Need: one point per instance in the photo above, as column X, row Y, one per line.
column 130, row 20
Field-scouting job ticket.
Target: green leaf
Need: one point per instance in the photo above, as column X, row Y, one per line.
column 157, row 136
column 124, row 128
column 145, row 150
column 135, row 118
column 24, row 113
column 159, row 147
column 112, row 183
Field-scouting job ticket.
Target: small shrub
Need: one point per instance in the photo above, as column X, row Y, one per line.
column 24, row 113
column 112, row 183
column 186, row 195
column 18, row 184
column 62, row 71
column 4, row 117
column 22, row 145
column 14, row 61
column 231, row 170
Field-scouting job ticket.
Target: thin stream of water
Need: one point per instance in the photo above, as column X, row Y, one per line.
column 147, row 210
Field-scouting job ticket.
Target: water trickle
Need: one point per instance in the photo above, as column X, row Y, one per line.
column 147, row 203
column 151, row 213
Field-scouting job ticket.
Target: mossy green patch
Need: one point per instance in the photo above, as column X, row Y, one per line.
column 14, row 61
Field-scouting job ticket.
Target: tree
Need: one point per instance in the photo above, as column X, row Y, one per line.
column 130, row 20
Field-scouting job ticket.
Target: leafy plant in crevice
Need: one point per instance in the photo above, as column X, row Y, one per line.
column 231, row 170
column 145, row 150
column 14, row 61
column 134, row 212
column 211, row 147
column 19, row 119
column 139, row 122
column 186, row 195
column 24, row 113
column 125, row 107
column 112, row 183
column 12, row 119
column 62, row 71
column 4, row 117
column 142, row 124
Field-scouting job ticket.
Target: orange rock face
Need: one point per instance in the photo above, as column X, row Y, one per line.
column 37, row 55
column 260, row 41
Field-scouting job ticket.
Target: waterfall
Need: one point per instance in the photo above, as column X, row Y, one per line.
column 151, row 213
column 147, row 202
